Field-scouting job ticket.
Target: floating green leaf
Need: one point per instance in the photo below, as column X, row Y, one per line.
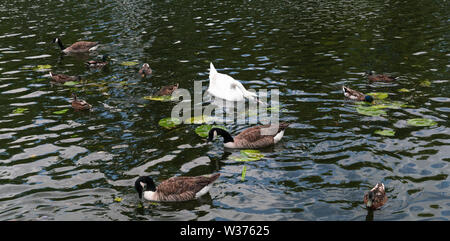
column 385, row 132
column 129, row 63
column 248, row 155
column 70, row 83
column 425, row 83
column 169, row 122
column 378, row 95
column 421, row 122
column 118, row 199
column 403, row 90
column 203, row 130
column 42, row 67
column 244, row 170
column 19, row 110
column 159, row 98
column 370, row 111
column 60, row 112
column 198, row 119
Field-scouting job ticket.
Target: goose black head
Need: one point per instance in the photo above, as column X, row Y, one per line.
column 144, row 184
column 221, row 132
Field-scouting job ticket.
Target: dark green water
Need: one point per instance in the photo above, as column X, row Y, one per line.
column 72, row 166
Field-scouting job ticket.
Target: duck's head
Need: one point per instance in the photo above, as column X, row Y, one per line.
column 146, row 66
column 368, row 98
column 144, row 184
column 370, row 199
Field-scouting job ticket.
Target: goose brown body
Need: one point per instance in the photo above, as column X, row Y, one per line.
column 77, row 47
column 78, row 104
column 167, row 90
column 376, row 197
column 174, row 189
column 62, row 78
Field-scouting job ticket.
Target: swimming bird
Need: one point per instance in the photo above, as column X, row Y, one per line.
column 226, row 87
column 145, row 70
column 167, row 90
column 355, row 95
column 78, row 104
column 253, row 137
column 376, row 197
column 62, row 78
column 380, row 77
column 78, row 47
column 175, row 189
column 98, row 64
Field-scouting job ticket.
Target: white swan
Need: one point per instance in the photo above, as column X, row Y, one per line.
column 225, row 87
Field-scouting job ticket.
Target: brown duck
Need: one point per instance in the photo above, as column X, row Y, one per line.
column 78, row 47
column 380, row 77
column 356, row 95
column 96, row 64
column 78, row 104
column 376, row 197
column 253, row 137
column 145, row 70
column 175, row 189
column 167, row 90
column 62, row 78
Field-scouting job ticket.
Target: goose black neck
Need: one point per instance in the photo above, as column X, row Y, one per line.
column 60, row 44
column 221, row 132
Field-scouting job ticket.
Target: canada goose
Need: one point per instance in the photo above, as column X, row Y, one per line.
column 98, row 64
column 78, row 104
column 62, row 78
column 226, row 87
column 253, row 137
column 175, row 189
column 78, row 47
column 355, row 95
column 380, row 77
column 167, row 90
column 376, row 197
column 145, row 70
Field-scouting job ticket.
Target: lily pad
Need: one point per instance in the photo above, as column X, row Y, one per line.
column 19, row 110
column 42, row 67
column 198, row 119
column 403, row 90
column 203, row 130
column 248, row 155
column 118, row 199
column 60, row 112
column 129, row 63
column 70, row 83
column 378, row 95
column 244, row 170
column 169, row 122
column 370, row 111
column 159, row 98
column 425, row 83
column 421, row 122
column 385, row 132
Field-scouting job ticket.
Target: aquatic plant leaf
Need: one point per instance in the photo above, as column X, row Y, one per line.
column 248, row 155
column 425, row 83
column 129, row 63
column 421, row 122
column 203, row 130
column 385, row 132
column 378, row 95
column 19, row 110
column 403, row 90
column 159, row 98
column 70, row 83
column 198, row 119
column 370, row 111
column 169, row 122
column 42, row 67
column 60, row 112
column 118, row 199
column 244, row 170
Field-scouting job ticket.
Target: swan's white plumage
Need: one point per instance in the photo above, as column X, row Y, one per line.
column 226, row 87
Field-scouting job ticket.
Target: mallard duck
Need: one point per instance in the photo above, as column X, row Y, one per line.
column 380, row 77
column 145, row 70
column 98, row 64
column 226, row 87
column 78, row 47
column 253, row 137
column 62, row 78
column 167, row 90
column 376, row 197
column 355, row 95
column 174, row 189
column 78, row 104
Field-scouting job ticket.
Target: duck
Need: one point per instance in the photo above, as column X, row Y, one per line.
column 174, row 189
column 380, row 77
column 167, row 90
column 98, row 64
column 356, row 95
column 77, row 47
column 376, row 197
column 62, row 78
column 226, row 87
column 145, row 70
column 254, row 137
column 78, row 104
